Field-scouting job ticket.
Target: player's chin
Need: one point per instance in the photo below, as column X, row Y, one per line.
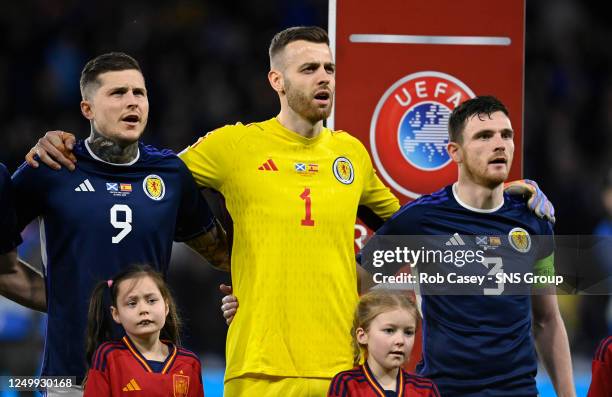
column 323, row 112
column 495, row 177
column 316, row 115
column 130, row 136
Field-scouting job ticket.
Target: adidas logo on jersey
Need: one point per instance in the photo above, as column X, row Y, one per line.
column 85, row 186
column 268, row 166
column 455, row 240
column 132, row 386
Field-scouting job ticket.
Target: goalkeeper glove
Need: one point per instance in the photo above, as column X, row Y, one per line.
column 536, row 199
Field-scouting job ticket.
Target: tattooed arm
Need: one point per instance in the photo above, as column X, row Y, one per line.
column 213, row 247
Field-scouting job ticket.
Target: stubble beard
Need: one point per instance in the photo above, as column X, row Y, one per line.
column 485, row 178
column 302, row 104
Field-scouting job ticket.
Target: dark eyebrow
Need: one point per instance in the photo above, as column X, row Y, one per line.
column 124, row 89
column 121, row 89
column 480, row 133
column 317, row 64
column 310, row 65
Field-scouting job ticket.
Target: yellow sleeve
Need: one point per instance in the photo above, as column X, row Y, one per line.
column 211, row 158
column 375, row 194
column 544, row 267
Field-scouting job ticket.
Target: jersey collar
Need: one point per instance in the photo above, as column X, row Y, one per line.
column 294, row 136
column 143, row 361
column 399, row 383
column 469, row 207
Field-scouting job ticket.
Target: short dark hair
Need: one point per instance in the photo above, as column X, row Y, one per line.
column 314, row 34
column 110, row 62
column 480, row 105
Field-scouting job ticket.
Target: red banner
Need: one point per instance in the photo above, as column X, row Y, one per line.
column 403, row 66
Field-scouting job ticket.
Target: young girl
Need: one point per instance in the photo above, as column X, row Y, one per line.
column 383, row 335
column 139, row 300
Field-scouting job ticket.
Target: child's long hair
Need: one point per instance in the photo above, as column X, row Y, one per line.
column 99, row 319
column 371, row 305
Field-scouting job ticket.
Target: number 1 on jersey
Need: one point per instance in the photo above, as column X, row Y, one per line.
column 307, row 221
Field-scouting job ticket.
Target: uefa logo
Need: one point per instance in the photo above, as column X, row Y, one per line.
column 423, row 135
column 409, row 132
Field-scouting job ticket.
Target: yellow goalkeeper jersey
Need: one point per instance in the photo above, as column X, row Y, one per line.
column 294, row 203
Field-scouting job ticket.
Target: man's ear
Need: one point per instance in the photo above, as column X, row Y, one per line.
column 455, row 152
column 86, row 109
column 275, row 77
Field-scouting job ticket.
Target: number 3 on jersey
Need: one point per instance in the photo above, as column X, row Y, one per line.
column 125, row 226
column 307, row 221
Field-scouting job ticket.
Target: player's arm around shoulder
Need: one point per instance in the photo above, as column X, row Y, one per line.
column 210, row 159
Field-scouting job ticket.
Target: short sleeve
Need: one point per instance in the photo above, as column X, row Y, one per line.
column 211, row 158
column 375, row 195
column 29, row 193
column 194, row 215
column 547, row 243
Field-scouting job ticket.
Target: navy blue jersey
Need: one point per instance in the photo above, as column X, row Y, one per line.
column 9, row 235
column 475, row 345
column 95, row 222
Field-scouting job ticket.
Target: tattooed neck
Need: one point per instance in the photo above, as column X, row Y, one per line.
column 110, row 151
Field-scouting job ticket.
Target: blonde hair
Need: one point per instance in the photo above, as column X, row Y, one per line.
column 371, row 305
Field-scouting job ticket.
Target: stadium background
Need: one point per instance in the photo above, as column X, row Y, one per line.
column 205, row 65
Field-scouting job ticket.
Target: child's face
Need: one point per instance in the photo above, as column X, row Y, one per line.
column 141, row 309
column 389, row 338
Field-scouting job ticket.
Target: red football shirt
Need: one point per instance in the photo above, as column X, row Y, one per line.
column 601, row 382
column 360, row 382
column 118, row 369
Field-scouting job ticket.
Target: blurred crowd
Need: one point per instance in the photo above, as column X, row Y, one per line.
column 205, row 64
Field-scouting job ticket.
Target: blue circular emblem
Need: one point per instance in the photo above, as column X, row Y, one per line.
column 423, row 136
column 409, row 132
